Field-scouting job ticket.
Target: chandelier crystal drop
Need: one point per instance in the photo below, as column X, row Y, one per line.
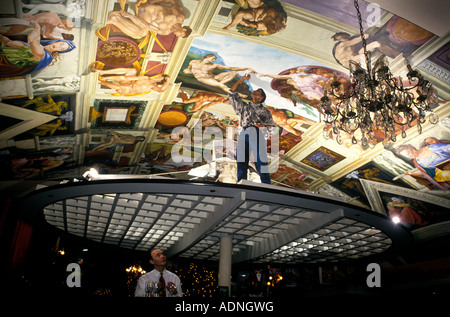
column 373, row 105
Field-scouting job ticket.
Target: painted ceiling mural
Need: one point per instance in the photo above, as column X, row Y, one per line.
column 140, row 87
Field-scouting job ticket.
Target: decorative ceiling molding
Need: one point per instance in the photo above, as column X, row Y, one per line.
column 316, row 19
column 30, row 119
column 432, row 16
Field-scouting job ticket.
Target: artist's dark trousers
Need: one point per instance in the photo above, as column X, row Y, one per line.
column 252, row 139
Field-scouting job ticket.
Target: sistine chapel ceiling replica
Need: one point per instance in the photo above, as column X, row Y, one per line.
column 139, row 87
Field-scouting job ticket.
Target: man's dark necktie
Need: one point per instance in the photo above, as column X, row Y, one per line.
column 162, row 286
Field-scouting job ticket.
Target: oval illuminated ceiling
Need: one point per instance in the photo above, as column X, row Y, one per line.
column 267, row 223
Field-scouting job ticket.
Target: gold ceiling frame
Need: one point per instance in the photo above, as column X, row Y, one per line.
column 200, row 22
column 372, row 189
column 201, row 19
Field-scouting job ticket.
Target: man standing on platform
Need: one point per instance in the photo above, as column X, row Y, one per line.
column 254, row 122
column 158, row 282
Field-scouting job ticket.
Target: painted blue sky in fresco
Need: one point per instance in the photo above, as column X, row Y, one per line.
column 263, row 59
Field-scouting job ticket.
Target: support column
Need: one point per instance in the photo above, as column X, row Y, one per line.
column 225, row 256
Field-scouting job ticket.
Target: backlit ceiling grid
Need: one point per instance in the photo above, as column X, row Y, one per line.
column 143, row 221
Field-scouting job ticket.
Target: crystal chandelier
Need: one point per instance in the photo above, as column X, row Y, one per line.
column 374, row 105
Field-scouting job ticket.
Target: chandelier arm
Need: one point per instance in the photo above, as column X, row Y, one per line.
column 391, row 110
column 332, row 117
column 344, row 96
column 392, row 83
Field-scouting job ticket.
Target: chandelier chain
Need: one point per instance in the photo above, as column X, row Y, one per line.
column 363, row 37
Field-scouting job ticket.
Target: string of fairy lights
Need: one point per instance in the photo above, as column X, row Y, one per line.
column 197, row 281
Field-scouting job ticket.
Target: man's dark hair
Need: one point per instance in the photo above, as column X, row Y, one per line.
column 151, row 251
column 263, row 94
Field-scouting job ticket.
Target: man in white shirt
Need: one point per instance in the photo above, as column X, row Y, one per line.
column 168, row 283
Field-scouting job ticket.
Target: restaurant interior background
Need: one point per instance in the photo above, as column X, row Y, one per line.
column 69, row 117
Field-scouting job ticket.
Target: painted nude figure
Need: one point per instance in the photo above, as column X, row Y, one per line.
column 202, row 99
column 114, row 138
column 126, row 81
column 350, row 48
column 50, row 23
column 307, row 83
column 203, row 71
column 159, row 16
column 281, row 119
column 265, row 17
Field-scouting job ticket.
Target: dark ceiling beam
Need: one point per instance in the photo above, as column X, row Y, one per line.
column 208, row 224
column 268, row 245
